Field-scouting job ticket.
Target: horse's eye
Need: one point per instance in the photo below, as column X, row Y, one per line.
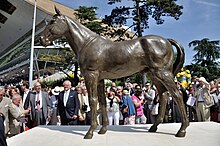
column 52, row 21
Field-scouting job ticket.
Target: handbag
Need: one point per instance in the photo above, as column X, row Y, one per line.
column 84, row 107
column 124, row 109
column 208, row 100
column 154, row 110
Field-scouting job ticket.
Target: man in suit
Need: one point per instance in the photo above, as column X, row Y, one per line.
column 40, row 106
column 2, row 131
column 25, row 95
column 26, row 101
column 68, row 105
column 5, row 108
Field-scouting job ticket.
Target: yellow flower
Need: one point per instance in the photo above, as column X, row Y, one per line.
column 71, row 75
column 182, row 73
column 187, row 71
column 184, row 84
column 178, row 75
column 188, row 76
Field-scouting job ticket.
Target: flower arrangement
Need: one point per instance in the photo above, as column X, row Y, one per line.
column 184, row 77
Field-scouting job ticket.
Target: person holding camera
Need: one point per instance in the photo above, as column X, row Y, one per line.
column 113, row 107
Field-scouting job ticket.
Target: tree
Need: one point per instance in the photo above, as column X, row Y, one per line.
column 87, row 16
column 141, row 12
column 207, row 54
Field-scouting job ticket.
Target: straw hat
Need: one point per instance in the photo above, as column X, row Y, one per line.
column 56, row 90
column 125, row 92
column 203, row 80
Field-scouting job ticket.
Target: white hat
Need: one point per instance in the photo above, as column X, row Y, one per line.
column 119, row 88
column 56, row 90
column 125, row 92
column 203, row 80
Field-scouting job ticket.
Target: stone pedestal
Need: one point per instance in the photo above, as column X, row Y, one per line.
column 198, row 134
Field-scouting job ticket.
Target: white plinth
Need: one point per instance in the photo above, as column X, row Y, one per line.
column 198, row 134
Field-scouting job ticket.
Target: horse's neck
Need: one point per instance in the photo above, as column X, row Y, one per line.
column 78, row 35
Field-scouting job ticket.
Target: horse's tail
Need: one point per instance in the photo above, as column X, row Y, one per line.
column 178, row 64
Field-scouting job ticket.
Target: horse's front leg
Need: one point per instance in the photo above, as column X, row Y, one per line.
column 102, row 103
column 91, row 80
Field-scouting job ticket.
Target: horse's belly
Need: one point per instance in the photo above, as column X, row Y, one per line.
column 118, row 72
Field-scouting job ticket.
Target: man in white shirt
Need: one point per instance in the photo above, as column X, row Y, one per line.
column 26, row 95
column 26, row 102
column 40, row 106
column 203, row 112
column 68, row 105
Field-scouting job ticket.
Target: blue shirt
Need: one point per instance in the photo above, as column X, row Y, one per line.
column 126, row 100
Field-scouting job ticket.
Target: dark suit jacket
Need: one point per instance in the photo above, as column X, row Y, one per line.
column 72, row 106
column 46, row 105
column 2, row 132
column 27, row 100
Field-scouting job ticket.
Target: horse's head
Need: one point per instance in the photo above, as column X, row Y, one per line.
column 56, row 28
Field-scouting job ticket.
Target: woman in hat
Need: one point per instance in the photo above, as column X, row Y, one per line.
column 128, row 108
column 53, row 99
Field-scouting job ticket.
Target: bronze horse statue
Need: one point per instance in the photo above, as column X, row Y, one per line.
column 100, row 58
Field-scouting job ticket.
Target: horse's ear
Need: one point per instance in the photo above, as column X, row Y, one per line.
column 57, row 11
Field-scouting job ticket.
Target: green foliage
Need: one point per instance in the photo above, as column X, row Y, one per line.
column 86, row 13
column 142, row 10
column 207, row 52
column 52, row 58
column 54, row 83
column 136, row 78
column 87, row 16
column 206, row 59
column 209, row 72
column 95, row 26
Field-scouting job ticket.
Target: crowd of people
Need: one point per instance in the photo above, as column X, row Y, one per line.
column 22, row 108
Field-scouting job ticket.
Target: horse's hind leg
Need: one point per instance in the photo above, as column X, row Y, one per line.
column 102, row 103
column 163, row 95
column 177, row 95
column 168, row 81
column 91, row 80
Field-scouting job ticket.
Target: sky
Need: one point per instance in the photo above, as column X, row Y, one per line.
column 200, row 19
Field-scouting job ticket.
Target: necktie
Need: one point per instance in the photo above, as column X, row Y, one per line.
column 38, row 102
column 65, row 98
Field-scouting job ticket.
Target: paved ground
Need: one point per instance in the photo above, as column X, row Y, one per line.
column 198, row 134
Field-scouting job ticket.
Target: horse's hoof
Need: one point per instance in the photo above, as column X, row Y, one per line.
column 181, row 133
column 102, row 130
column 88, row 136
column 152, row 129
